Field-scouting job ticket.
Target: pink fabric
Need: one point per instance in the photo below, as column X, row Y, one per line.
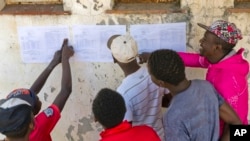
column 229, row 78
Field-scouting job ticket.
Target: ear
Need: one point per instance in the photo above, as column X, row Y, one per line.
column 161, row 83
column 32, row 125
column 218, row 48
column 95, row 119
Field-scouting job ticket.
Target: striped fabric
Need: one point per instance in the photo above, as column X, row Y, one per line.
column 143, row 100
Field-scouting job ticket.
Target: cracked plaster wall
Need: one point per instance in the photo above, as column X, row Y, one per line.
column 77, row 123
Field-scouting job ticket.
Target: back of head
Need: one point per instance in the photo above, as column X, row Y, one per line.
column 123, row 47
column 166, row 65
column 108, row 108
column 16, row 116
column 24, row 94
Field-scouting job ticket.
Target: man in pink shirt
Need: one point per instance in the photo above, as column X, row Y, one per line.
column 227, row 69
column 46, row 120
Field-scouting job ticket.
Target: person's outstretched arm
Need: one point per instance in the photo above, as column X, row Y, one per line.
column 66, row 82
column 143, row 57
column 189, row 59
column 229, row 116
column 40, row 81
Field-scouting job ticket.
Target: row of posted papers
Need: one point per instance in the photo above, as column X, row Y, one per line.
column 39, row 43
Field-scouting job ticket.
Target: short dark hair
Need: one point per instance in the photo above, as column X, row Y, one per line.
column 109, row 108
column 21, row 117
column 166, row 65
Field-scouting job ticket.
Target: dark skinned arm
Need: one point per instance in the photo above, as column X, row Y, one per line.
column 66, row 83
column 42, row 78
column 143, row 57
column 228, row 115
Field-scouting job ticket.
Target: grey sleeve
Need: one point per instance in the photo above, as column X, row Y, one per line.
column 175, row 134
column 220, row 98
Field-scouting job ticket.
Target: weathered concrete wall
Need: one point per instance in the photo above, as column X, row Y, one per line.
column 77, row 122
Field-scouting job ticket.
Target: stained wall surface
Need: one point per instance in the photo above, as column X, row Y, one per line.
column 76, row 123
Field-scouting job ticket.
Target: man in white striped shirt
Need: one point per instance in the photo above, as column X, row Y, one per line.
column 142, row 97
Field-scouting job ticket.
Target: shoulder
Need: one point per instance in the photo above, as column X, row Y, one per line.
column 136, row 78
column 146, row 130
column 143, row 128
column 201, row 83
column 45, row 122
column 198, row 81
column 204, row 87
column 51, row 111
column 134, row 83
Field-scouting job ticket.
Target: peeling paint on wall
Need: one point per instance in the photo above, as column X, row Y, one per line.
column 246, row 52
column 45, row 96
column 68, row 134
column 52, row 89
column 98, row 5
column 84, row 126
column 81, row 3
column 88, row 77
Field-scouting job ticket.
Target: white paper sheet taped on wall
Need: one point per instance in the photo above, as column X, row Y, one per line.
column 158, row 36
column 38, row 43
column 90, row 41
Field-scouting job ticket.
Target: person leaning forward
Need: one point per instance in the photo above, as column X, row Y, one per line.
column 46, row 120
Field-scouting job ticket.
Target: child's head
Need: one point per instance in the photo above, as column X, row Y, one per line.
column 29, row 96
column 166, row 65
column 16, row 120
column 108, row 108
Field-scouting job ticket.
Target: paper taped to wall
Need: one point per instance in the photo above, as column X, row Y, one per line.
column 38, row 43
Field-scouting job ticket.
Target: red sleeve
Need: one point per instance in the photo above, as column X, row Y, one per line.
column 46, row 121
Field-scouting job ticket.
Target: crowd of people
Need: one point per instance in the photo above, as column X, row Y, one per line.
column 198, row 110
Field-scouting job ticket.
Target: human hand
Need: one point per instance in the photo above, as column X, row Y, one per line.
column 143, row 57
column 67, row 51
column 57, row 57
